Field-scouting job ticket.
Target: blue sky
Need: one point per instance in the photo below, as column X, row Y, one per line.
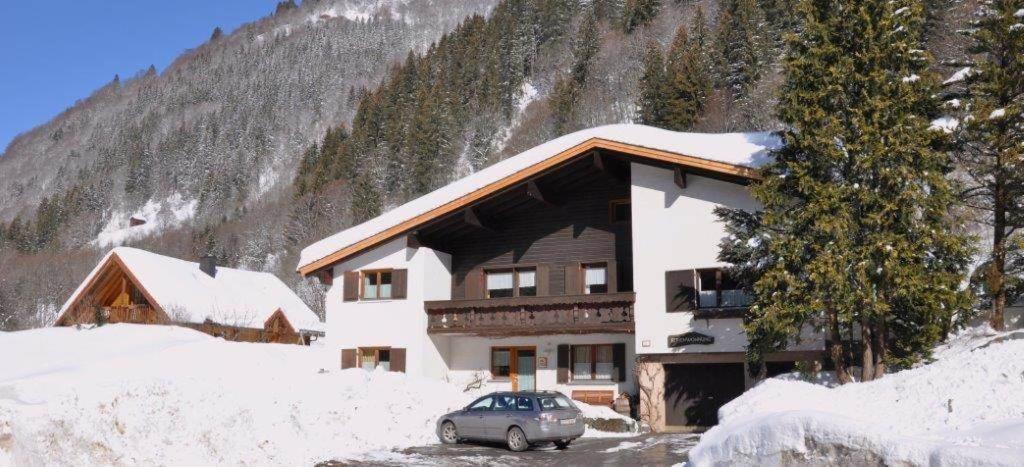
column 55, row 52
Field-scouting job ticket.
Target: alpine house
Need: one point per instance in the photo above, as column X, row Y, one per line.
column 130, row 285
column 588, row 264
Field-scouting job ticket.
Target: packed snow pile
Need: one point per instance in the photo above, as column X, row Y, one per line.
column 127, row 394
column 966, row 408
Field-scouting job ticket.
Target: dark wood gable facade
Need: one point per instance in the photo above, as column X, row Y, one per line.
column 551, row 255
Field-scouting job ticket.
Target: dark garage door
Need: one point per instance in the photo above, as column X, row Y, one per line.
column 694, row 392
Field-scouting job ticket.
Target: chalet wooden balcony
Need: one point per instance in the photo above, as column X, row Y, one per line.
column 140, row 314
column 565, row 314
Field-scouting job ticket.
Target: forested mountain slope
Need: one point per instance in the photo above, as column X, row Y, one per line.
column 263, row 140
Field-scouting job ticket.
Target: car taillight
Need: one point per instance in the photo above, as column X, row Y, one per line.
column 548, row 417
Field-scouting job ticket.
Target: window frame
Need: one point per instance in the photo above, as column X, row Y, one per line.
column 360, row 351
column 593, row 362
column 515, row 270
column 613, row 204
column 494, row 375
column 583, row 276
column 719, row 281
column 379, row 273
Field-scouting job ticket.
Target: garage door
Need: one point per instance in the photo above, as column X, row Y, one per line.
column 694, row 392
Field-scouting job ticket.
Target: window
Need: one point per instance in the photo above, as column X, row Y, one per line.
column 592, row 362
column 481, row 404
column 504, row 402
column 499, row 284
column 376, row 285
column 524, row 403
column 371, row 358
column 501, row 363
column 595, row 279
column 554, row 402
column 527, row 282
column 719, row 290
column 517, row 282
column 620, row 211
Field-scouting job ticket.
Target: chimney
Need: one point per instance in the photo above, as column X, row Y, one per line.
column 208, row 264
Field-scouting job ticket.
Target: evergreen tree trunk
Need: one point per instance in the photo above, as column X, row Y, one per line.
column 881, row 344
column 835, row 349
column 997, row 271
column 867, row 362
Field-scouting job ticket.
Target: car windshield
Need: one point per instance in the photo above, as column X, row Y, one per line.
column 556, row 402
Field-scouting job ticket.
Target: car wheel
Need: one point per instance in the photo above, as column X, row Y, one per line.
column 516, row 439
column 449, row 435
column 562, row 444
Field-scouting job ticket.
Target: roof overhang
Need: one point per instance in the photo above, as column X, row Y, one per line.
column 687, row 161
column 111, row 261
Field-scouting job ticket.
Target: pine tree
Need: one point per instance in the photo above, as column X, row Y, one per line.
column 991, row 147
column 688, row 82
column 568, row 88
column 854, row 231
column 651, row 103
column 637, row 13
column 743, row 42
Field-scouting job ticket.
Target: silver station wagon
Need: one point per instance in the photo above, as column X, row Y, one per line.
column 520, row 419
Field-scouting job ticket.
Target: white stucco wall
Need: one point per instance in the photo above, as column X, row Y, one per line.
column 471, row 356
column 676, row 229
column 392, row 323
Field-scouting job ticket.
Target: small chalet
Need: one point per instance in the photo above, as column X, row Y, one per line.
column 130, row 285
column 587, row 264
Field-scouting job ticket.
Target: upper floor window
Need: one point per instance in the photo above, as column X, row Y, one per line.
column 376, row 285
column 518, row 282
column 719, row 290
column 595, row 278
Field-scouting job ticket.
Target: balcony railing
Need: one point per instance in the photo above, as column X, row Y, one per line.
column 140, row 314
column 564, row 314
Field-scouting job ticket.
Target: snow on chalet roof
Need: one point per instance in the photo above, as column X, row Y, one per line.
column 740, row 149
column 232, row 297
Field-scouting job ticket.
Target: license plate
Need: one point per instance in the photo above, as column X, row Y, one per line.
column 568, row 421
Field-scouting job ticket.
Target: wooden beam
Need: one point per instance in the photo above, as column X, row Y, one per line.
column 610, row 170
column 680, row 177
column 534, row 191
column 473, row 218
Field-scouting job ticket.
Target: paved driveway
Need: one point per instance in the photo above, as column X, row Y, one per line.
column 652, row 449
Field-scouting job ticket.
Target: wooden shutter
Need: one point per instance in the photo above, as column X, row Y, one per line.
column 572, row 279
column 543, row 280
column 612, row 270
column 399, row 283
column 397, row 360
column 348, row 358
column 618, row 362
column 350, row 293
column 474, row 283
column 680, row 290
column 563, row 363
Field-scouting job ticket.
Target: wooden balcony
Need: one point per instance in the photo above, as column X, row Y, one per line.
column 139, row 314
column 565, row 314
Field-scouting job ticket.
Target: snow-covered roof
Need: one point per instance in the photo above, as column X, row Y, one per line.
column 738, row 149
column 232, row 297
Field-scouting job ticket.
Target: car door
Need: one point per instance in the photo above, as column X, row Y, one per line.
column 500, row 417
column 471, row 423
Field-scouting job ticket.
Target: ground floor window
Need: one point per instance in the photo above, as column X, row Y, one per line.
column 501, row 362
column 592, row 362
column 371, row 358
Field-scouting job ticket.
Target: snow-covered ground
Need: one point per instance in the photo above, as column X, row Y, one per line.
column 157, row 395
column 966, row 408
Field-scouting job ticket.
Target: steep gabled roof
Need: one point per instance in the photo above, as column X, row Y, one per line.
column 732, row 154
column 183, row 292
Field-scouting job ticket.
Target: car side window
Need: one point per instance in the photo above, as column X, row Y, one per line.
column 504, row 402
column 483, row 403
column 524, row 403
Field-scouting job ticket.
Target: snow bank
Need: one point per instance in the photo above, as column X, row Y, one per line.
column 964, row 409
column 742, row 149
column 129, row 394
column 158, row 216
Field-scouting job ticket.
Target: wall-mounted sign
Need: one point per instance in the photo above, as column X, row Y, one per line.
column 542, row 362
column 690, row 338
